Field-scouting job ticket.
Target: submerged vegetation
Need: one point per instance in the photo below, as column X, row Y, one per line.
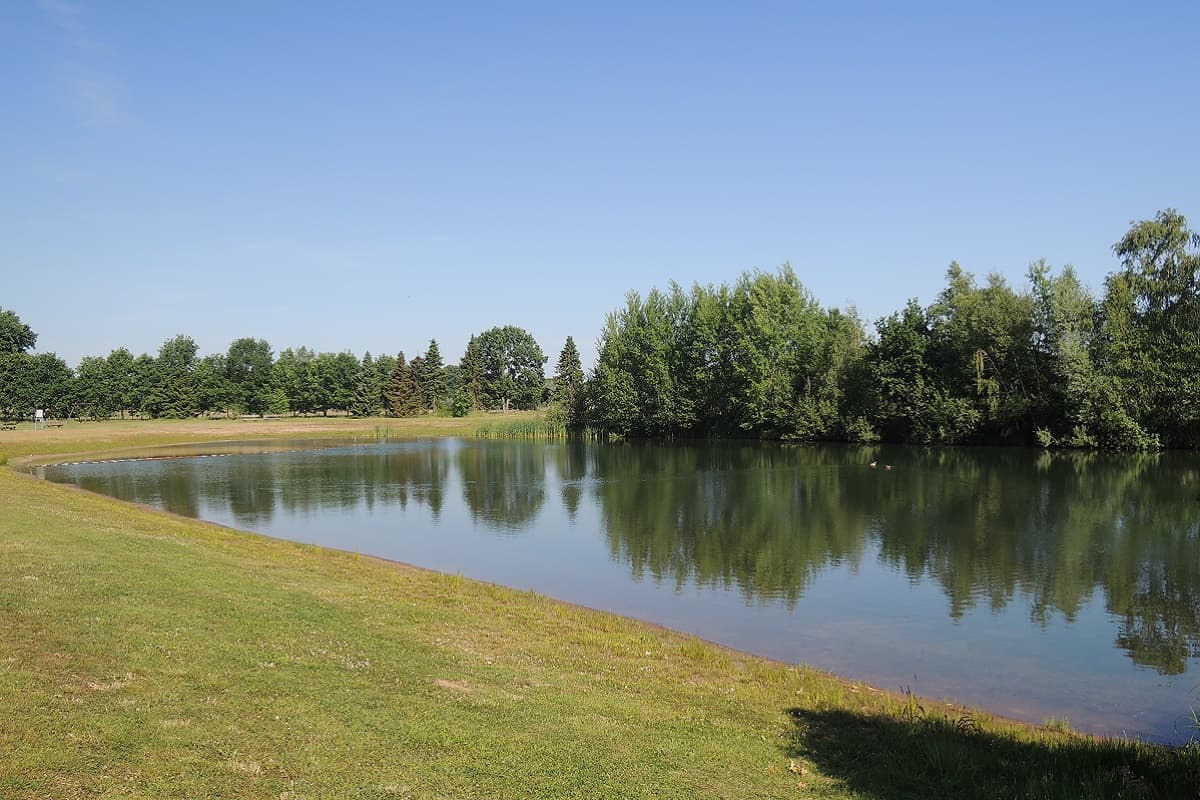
column 143, row 654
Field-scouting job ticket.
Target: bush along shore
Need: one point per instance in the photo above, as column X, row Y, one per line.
column 145, row 655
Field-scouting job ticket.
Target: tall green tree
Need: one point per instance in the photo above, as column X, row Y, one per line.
column 330, row 381
column 15, row 336
column 433, row 379
column 215, row 392
column 173, row 394
column 123, row 380
column 14, row 393
column 911, row 401
column 471, row 374
column 568, row 381
column 512, row 364
column 780, row 335
column 290, row 375
column 29, row 382
column 632, row 391
column 95, row 394
column 1160, row 261
column 146, row 376
column 981, row 345
column 366, row 389
column 51, row 382
column 384, row 366
column 1066, row 382
column 248, row 368
column 760, row 358
column 403, row 394
column 416, row 370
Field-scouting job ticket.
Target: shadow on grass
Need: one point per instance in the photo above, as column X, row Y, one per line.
column 886, row 758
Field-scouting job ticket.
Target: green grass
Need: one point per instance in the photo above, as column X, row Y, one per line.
column 143, row 655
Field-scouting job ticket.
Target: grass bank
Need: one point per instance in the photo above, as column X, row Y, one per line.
column 74, row 438
column 143, row 655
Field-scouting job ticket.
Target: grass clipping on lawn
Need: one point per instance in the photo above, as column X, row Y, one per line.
column 143, row 655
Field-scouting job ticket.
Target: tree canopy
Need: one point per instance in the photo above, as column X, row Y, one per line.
column 15, row 336
column 510, row 368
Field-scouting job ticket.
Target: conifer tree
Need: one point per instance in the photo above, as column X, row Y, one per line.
column 416, row 368
column 472, row 373
column 366, row 389
column 403, row 394
column 384, row 366
column 568, row 380
column 433, row 381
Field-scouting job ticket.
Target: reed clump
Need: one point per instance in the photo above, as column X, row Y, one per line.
column 539, row 428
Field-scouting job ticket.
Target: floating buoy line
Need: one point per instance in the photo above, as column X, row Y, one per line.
column 142, row 458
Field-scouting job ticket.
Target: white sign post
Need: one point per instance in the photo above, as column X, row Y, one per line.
column 39, row 419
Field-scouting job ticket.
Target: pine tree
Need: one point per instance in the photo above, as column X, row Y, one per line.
column 568, row 380
column 178, row 397
column 433, row 381
column 416, row 368
column 366, row 389
column 472, row 373
column 384, row 366
column 403, row 394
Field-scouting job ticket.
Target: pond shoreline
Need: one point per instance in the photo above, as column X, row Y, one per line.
column 699, row 657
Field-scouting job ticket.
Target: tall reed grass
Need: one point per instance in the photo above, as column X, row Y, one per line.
column 541, row 428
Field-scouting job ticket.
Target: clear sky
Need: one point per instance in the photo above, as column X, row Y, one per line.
column 368, row 176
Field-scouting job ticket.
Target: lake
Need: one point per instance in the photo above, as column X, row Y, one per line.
column 1034, row 584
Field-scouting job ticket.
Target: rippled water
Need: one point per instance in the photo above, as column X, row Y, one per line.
column 1037, row 585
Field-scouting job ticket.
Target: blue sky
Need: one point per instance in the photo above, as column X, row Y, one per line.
column 368, row 176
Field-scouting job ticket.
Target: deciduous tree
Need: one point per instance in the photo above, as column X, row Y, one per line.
column 248, row 368
column 512, row 364
column 15, row 336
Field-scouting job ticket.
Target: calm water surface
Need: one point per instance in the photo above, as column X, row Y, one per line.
column 1037, row 585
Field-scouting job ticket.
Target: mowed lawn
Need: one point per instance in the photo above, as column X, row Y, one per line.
column 143, row 655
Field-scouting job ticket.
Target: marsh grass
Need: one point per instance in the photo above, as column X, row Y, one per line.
column 1057, row 724
column 536, row 428
column 385, row 432
column 145, row 656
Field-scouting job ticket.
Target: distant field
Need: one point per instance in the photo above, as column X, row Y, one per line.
column 147, row 656
column 80, row 437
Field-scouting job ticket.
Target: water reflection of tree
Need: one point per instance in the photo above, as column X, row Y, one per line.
column 173, row 485
column 309, row 482
column 987, row 525
column 504, row 483
column 250, row 489
column 254, row 488
column 571, row 464
column 727, row 515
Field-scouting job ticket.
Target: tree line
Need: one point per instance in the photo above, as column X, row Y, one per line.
column 760, row 358
column 984, row 363
column 502, row 368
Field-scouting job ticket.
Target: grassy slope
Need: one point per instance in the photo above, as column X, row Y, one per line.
column 143, row 655
column 74, row 437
